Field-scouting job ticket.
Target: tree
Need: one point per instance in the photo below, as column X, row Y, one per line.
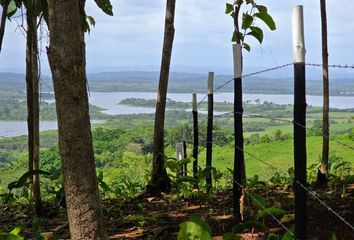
column 247, row 28
column 66, row 54
column 322, row 176
column 4, row 5
column 160, row 181
column 32, row 83
column 33, row 9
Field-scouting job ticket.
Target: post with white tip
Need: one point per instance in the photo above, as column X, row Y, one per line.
column 300, row 157
column 195, row 136
column 239, row 161
column 209, row 143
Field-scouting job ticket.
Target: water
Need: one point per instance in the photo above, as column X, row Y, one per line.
column 109, row 101
column 18, row 128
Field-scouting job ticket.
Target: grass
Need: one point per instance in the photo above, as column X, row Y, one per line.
column 278, row 154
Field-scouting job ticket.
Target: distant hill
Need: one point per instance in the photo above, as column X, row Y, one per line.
column 180, row 82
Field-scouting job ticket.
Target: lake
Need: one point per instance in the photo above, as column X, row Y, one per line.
column 109, row 101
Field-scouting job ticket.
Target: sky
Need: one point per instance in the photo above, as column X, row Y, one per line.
column 132, row 38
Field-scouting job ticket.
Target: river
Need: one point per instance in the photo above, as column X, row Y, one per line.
column 109, row 101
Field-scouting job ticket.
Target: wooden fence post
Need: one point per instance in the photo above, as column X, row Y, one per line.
column 179, row 157
column 299, row 124
column 209, row 143
column 195, row 134
column 184, row 142
column 239, row 161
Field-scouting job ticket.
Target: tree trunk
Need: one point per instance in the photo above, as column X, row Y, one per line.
column 160, row 181
column 32, row 79
column 3, row 22
column 67, row 60
column 322, row 176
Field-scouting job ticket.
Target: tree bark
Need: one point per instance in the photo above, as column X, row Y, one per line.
column 160, row 181
column 3, row 22
column 32, row 80
column 322, row 176
column 67, row 60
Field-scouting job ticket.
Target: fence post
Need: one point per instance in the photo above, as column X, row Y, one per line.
column 299, row 124
column 209, row 144
column 239, row 161
column 195, row 135
column 179, row 157
column 184, row 142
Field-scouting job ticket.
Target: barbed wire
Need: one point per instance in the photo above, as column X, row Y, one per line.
column 325, row 205
column 300, row 184
column 244, row 76
column 346, row 66
column 312, row 194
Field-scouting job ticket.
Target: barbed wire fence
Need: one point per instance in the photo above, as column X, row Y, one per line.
column 274, row 118
column 259, row 159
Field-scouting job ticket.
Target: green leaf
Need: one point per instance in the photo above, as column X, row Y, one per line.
column 267, row 19
column 237, row 37
column 22, row 180
column 16, row 231
column 333, row 236
column 195, row 228
column 271, row 211
column 187, row 179
column 248, row 225
column 229, row 8
column 172, row 165
column 13, row 235
column 42, row 8
column 11, row 9
column 256, row 33
column 91, row 20
column 247, row 47
column 247, row 21
column 231, row 236
column 205, row 172
column 258, row 201
column 272, row 236
column 106, row 6
column 289, row 235
column 262, row 8
column 100, row 176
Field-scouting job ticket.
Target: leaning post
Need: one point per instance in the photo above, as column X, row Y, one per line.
column 300, row 157
column 209, row 143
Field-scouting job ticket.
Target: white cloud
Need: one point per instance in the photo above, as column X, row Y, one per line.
column 134, row 35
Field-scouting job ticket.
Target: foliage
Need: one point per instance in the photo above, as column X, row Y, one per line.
column 195, row 228
column 271, row 211
column 16, row 109
column 249, row 225
column 255, row 181
column 231, row 236
column 21, row 182
column 248, row 25
column 12, row 235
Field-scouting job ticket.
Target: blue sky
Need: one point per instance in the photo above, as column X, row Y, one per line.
column 132, row 38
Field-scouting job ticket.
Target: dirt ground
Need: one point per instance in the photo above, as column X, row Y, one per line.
column 159, row 217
